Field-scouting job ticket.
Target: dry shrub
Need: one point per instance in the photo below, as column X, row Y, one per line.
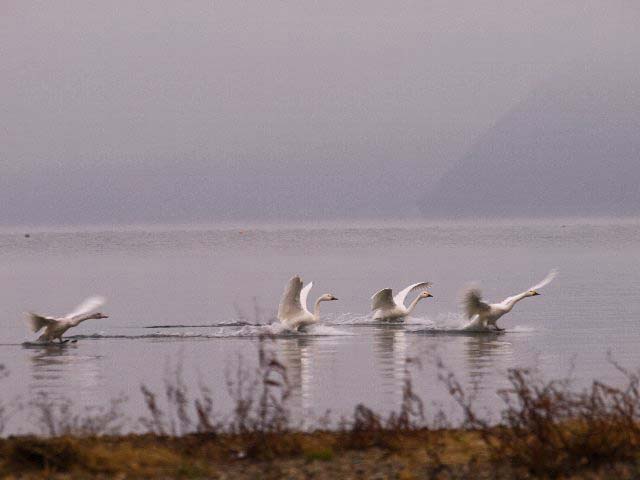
column 260, row 410
column 260, row 399
column 368, row 428
column 56, row 418
column 182, row 414
column 3, row 409
column 410, row 416
column 261, row 414
column 548, row 429
column 405, row 430
column 33, row 453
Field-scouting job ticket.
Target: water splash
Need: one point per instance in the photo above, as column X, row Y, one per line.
column 456, row 323
column 231, row 323
column 358, row 319
column 245, row 331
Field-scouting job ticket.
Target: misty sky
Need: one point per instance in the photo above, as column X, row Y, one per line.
column 178, row 111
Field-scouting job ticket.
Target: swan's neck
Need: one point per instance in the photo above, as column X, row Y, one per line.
column 82, row 319
column 316, row 308
column 510, row 304
column 413, row 304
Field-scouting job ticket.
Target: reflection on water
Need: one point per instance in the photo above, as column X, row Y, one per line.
column 485, row 354
column 390, row 347
column 62, row 372
column 194, row 277
column 297, row 354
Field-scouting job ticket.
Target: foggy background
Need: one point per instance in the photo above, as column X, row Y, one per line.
column 165, row 111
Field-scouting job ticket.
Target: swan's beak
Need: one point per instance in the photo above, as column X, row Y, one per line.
column 334, row 298
column 535, row 294
column 429, row 295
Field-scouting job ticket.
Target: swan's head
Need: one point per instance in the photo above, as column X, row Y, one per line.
column 98, row 316
column 532, row 293
column 327, row 297
column 425, row 294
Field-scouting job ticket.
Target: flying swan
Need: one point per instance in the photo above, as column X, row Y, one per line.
column 489, row 313
column 56, row 327
column 293, row 312
column 387, row 307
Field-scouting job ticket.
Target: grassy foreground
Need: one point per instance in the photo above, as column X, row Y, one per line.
column 283, row 455
column 546, row 429
column 418, row 454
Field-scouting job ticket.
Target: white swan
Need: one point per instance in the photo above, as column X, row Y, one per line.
column 387, row 307
column 56, row 327
column 293, row 312
column 489, row 313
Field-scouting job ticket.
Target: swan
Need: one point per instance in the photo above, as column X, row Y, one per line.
column 489, row 313
column 56, row 327
column 293, row 312
column 387, row 307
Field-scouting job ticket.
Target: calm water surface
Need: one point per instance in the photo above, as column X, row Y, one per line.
column 177, row 295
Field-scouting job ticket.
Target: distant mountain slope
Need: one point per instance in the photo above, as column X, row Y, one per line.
column 571, row 148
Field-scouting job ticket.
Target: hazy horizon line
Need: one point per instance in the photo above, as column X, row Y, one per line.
column 353, row 222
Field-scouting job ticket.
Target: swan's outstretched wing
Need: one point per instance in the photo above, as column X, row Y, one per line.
column 401, row 295
column 304, row 293
column 89, row 305
column 547, row 280
column 473, row 304
column 290, row 303
column 36, row 322
column 382, row 299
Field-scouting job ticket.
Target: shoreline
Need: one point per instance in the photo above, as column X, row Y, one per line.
column 382, row 454
column 546, row 430
column 364, row 223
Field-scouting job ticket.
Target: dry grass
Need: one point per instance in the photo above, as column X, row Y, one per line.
column 546, row 430
column 61, row 418
column 300, row 455
column 200, row 456
column 3, row 407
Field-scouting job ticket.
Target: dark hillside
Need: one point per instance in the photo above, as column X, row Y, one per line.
column 571, row 148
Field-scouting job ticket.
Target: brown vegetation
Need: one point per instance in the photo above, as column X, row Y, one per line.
column 3, row 408
column 546, row 430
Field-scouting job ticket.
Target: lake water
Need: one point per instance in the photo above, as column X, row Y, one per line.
column 204, row 282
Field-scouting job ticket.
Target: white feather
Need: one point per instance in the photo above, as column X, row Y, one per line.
column 402, row 294
column 382, row 299
column 304, row 293
column 86, row 307
column 547, row 280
